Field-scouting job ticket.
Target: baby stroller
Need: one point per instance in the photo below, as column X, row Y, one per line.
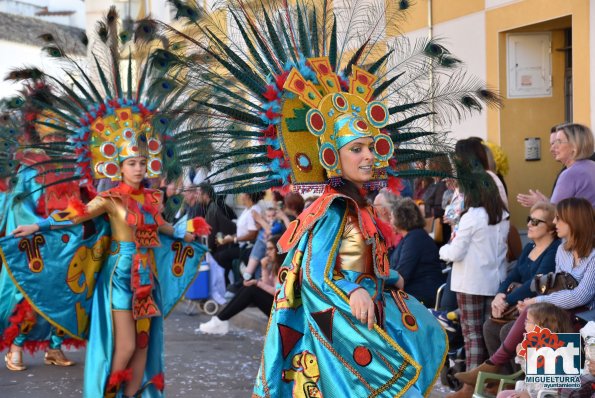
column 447, row 314
column 206, row 292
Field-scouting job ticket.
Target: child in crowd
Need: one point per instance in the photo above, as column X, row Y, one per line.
column 542, row 315
column 271, row 225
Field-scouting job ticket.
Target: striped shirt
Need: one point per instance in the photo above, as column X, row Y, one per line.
column 583, row 272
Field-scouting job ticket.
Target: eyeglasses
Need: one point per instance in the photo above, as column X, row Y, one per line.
column 559, row 142
column 534, row 221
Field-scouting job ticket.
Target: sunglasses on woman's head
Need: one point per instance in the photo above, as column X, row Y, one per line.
column 534, row 221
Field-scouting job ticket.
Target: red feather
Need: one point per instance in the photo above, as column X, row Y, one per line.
column 158, row 381
column 271, row 94
column 389, row 234
column 270, row 132
column 78, row 206
column 74, row 343
column 119, row 377
column 280, row 80
column 283, row 190
column 200, row 226
column 22, row 312
column 395, row 185
column 274, row 153
column 40, row 209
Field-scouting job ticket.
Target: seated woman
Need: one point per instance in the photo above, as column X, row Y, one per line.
column 258, row 292
column 575, row 224
column 416, row 257
column 538, row 257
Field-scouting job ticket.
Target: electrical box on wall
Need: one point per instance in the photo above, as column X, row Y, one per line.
column 533, row 148
column 529, row 65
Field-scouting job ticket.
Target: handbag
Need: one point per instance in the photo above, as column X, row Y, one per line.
column 511, row 313
column 552, row 282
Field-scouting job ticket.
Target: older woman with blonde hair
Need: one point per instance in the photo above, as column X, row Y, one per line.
column 572, row 146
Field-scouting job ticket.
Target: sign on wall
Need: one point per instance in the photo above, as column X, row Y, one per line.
column 529, row 65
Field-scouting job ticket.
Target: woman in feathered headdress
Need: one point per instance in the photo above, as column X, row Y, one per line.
column 285, row 107
column 112, row 284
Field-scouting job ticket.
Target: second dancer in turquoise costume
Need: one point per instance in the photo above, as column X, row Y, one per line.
column 109, row 270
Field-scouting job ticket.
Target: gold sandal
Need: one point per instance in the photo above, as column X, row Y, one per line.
column 56, row 357
column 14, row 361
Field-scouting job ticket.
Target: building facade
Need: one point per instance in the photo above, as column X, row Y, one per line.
column 537, row 54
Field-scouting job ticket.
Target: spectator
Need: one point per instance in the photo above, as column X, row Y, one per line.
column 247, row 231
column 293, row 205
column 478, row 250
column 573, row 147
column 254, row 292
column 270, row 225
column 472, row 148
column 384, row 202
column 538, row 257
column 575, row 224
column 416, row 256
column 433, row 198
column 220, row 224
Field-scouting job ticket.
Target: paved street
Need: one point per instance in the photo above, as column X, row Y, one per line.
column 198, row 366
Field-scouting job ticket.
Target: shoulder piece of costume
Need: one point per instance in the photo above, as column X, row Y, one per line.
column 296, row 97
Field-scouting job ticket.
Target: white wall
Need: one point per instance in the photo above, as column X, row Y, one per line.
column 465, row 38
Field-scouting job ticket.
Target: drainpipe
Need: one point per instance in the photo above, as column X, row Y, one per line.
column 430, row 37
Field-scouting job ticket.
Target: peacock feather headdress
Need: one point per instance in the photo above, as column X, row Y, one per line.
column 242, row 61
column 122, row 104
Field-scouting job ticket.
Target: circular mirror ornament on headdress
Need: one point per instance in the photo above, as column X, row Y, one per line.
column 329, row 158
column 340, row 102
column 154, row 166
column 377, row 114
column 110, row 169
column 154, row 146
column 361, row 126
column 315, row 122
column 383, row 147
column 128, row 134
column 109, row 150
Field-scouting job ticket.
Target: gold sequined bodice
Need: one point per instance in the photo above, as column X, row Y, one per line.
column 116, row 212
column 354, row 254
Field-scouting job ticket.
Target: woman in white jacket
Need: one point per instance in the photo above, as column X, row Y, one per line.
column 477, row 251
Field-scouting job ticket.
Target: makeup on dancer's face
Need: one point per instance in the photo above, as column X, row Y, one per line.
column 134, row 169
column 357, row 160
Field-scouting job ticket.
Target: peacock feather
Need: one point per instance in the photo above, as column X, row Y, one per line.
column 236, row 58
